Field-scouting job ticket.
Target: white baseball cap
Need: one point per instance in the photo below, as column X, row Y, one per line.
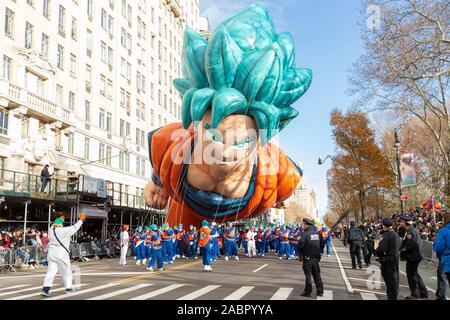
column 213, row 224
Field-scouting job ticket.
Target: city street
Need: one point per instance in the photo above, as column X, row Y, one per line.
column 259, row 278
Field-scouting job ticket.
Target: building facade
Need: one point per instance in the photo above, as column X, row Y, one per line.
column 301, row 204
column 84, row 81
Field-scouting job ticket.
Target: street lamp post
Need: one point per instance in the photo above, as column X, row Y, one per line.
column 321, row 162
column 399, row 174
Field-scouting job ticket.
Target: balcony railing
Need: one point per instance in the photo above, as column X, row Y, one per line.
column 27, row 98
column 21, row 184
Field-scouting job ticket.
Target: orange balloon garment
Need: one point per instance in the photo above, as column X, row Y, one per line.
column 276, row 176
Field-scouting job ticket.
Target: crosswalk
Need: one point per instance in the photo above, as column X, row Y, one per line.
column 146, row 291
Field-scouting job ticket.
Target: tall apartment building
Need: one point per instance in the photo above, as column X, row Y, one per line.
column 83, row 82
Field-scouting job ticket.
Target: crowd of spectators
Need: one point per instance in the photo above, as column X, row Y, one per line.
column 426, row 220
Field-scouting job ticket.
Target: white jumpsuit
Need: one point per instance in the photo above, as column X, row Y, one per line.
column 124, row 239
column 251, row 246
column 58, row 257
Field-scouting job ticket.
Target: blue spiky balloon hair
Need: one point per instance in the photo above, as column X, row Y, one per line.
column 245, row 68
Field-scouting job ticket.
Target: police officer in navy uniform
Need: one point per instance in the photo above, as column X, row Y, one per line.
column 388, row 254
column 411, row 251
column 309, row 247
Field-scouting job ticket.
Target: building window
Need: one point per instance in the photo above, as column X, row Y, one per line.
column 3, row 122
column 60, row 57
column 110, row 57
column 46, row 8
column 74, row 32
column 108, row 122
column 87, row 111
column 73, row 65
column 86, row 148
column 62, row 19
column 108, row 155
column 152, row 117
column 44, row 44
column 122, row 128
column 127, row 162
column 89, row 7
column 143, row 167
column 7, row 68
column 9, row 23
column 25, row 128
column 127, row 129
column 71, row 101
column 70, row 143
column 121, row 158
column 103, row 52
column 88, row 42
column 28, row 35
column 125, row 69
column 102, row 85
column 101, row 119
column 88, row 78
column 138, row 166
column 59, row 98
column 123, row 98
column 101, row 153
column 109, row 89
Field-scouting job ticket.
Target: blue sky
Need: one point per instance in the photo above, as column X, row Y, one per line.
column 327, row 40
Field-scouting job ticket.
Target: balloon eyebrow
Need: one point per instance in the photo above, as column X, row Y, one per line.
column 248, row 139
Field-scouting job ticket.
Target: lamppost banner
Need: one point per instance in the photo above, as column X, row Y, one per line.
column 407, row 169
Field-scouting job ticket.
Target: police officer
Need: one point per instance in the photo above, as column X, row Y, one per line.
column 356, row 240
column 388, row 253
column 309, row 248
column 411, row 252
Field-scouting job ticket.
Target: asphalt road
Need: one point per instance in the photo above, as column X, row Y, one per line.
column 257, row 278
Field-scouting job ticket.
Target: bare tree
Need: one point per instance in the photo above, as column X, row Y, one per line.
column 406, row 67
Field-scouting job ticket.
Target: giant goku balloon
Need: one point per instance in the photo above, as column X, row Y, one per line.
column 238, row 88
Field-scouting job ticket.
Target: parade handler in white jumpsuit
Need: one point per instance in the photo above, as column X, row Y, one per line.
column 124, row 240
column 58, row 254
column 251, row 245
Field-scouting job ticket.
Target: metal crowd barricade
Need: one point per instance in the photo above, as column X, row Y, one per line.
column 428, row 253
column 6, row 260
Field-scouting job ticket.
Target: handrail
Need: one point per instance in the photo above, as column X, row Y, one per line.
column 29, row 185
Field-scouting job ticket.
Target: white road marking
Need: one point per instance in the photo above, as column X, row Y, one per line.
column 239, row 293
column 19, row 291
column 116, row 293
column 282, row 294
column 39, row 293
column 327, row 295
column 368, row 296
column 77, row 293
column 199, row 293
column 368, row 291
column 13, row 287
column 42, row 275
column 344, row 276
column 157, row 292
column 256, row 270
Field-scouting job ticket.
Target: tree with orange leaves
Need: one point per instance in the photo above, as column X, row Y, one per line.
column 360, row 171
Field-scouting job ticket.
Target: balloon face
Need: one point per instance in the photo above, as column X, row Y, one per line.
column 232, row 142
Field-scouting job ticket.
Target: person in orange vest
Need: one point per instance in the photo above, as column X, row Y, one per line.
column 260, row 243
column 167, row 245
column 284, row 242
column 229, row 235
column 326, row 236
column 147, row 245
column 204, row 243
column 156, row 245
column 179, row 242
column 191, row 241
